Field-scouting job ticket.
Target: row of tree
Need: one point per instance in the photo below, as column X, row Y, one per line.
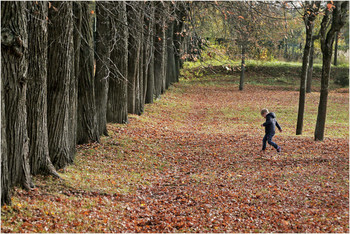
column 61, row 82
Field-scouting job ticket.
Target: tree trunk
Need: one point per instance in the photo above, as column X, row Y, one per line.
column 102, row 64
column 73, row 87
column 302, row 92
column 322, row 106
column 150, row 58
column 117, row 109
column 5, row 184
column 39, row 159
column 310, row 68
column 178, row 37
column 241, row 80
column 134, row 56
column 87, row 120
column 336, row 49
column 165, row 56
column 14, row 64
column 158, row 50
column 339, row 18
column 141, row 84
column 141, row 81
column 171, row 70
column 60, row 71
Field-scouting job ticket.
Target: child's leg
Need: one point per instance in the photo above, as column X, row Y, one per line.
column 269, row 140
column 264, row 142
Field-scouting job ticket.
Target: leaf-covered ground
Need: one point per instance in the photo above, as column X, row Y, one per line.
column 191, row 163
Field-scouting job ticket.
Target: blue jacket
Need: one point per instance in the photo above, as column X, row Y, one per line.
column 270, row 123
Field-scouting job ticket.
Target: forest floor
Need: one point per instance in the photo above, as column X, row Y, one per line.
column 191, row 163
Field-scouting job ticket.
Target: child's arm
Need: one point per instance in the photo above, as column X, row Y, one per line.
column 278, row 126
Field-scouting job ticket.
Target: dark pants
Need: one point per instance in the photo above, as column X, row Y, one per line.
column 268, row 138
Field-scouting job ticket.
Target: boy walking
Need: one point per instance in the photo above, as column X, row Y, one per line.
column 269, row 125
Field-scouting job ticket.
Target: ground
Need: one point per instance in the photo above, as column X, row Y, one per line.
column 191, row 163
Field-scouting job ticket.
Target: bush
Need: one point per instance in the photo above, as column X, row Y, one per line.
column 342, row 78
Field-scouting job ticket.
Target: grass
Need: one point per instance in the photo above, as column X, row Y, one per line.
column 191, row 163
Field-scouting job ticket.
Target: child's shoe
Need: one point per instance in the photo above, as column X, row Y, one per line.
column 279, row 149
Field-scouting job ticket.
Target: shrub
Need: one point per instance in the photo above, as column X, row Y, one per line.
column 342, row 78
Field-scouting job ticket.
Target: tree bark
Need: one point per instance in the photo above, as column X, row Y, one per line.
column 165, row 56
column 335, row 62
column 308, row 19
column 60, row 71
column 39, row 159
column 117, row 109
column 133, row 19
column 150, row 58
column 339, row 19
column 158, row 50
column 178, row 38
column 310, row 68
column 5, row 184
column 241, row 80
column 87, row 131
column 171, row 70
column 73, row 87
column 14, row 64
column 103, row 39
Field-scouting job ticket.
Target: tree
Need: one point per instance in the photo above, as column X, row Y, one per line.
column 117, row 111
column 171, row 66
column 159, row 40
column 37, row 90
column 310, row 13
column 59, row 74
column 310, row 68
column 149, row 94
column 336, row 49
column 14, row 63
column 178, row 35
column 103, row 38
column 87, row 130
column 5, row 184
column 339, row 12
column 73, row 87
column 134, row 55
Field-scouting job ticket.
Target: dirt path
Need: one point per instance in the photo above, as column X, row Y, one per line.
column 191, row 163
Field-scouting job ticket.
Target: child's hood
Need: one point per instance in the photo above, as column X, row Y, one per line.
column 271, row 114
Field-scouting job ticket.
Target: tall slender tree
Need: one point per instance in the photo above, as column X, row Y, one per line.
column 310, row 13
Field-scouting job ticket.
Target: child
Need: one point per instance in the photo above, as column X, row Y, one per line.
column 269, row 125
